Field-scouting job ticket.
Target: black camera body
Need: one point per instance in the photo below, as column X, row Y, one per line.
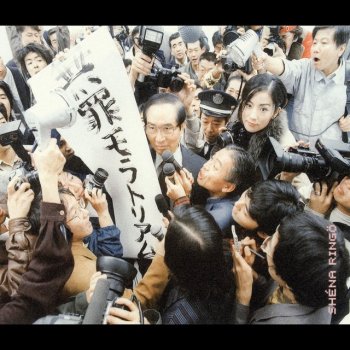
column 228, row 65
column 12, row 134
column 26, row 174
column 235, row 133
column 151, row 39
column 97, row 180
column 330, row 164
column 167, row 78
column 274, row 38
column 120, row 274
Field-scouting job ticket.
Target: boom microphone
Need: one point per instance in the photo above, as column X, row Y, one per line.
column 168, row 157
column 190, row 34
column 97, row 307
column 162, row 206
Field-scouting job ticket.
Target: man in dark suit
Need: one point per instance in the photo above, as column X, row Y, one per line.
column 164, row 116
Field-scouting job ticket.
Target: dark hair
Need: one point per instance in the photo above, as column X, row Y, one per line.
column 216, row 38
column 3, row 111
column 243, row 170
column 135, row 31
column 194, row 253
column 209, row 56
column 63, row 41
column 161, row 99
column 21, row 29
column 298, row 31
column 173, row 37
column 202, row 42
column 264, row 82
column 233, row 77
column 301, row 258
column 4, row 86
column 271, row 201
column 341, row 34
column 41, row 50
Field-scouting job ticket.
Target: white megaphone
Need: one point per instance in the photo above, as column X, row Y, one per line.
column 241, row 49
column 58, row 110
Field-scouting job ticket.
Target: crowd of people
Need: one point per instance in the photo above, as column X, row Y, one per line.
column 238, row 247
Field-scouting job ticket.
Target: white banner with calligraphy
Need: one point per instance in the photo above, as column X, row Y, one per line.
column 108, row 133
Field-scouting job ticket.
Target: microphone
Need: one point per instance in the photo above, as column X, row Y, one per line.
column 190, row 34
column 157, row 231
column 169, row 170
column 162, row 206
column 168, row 157
column 97, row 307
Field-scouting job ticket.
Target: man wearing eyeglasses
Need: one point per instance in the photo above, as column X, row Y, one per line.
column 164, row 117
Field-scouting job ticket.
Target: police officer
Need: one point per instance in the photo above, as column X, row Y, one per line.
column 215, row 110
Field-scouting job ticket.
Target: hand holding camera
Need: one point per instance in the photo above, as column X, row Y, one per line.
column 93, row 281
column 320, row 198
column 126, row 312
column 142, row 64
column 20, row 200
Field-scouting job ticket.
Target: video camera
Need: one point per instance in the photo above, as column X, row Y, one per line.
column 238, row 49
column 272, row 39
column 12, row 134
column 167, row 78
column 97, row 180
column 150, row 40
column 120, row 274
column 330, row 164
column 235, row 133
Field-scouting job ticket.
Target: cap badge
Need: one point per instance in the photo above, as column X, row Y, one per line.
column 218, row 99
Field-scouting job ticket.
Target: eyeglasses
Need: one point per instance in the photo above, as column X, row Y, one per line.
column 265, row 246
column 165, row 130
column 81, row 205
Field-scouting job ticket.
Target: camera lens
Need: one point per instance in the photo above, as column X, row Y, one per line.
column 100, row 176
column 176, row 84
column 224, row 139
column 119, row 272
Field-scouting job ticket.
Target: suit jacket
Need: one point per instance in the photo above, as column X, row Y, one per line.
column 22, row 87
column 283, row 314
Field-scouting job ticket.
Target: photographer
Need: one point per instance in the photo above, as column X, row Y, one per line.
column 52, row 261
column 21, row 239
column 11, row 111
column 317, row 85
column 297, row 255
column 257, row 214
column 80, row 227
column 291, row 35
column 148, row 57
